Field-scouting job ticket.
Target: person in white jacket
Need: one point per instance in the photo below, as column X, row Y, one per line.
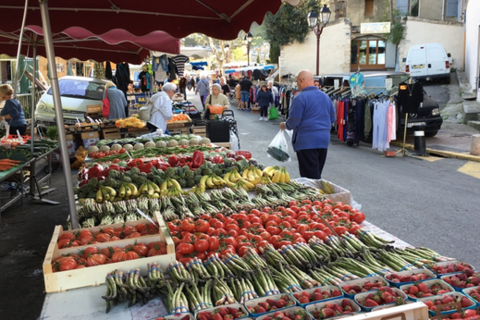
column 162, row 108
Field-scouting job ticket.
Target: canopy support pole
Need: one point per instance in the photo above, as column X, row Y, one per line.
column 34, row 74
column 58, row 111
column 15, row 78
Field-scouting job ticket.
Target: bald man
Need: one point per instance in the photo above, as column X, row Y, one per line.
column 311, row 117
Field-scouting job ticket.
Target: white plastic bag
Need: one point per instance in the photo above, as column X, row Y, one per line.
column 278, row 148
column 234, row 141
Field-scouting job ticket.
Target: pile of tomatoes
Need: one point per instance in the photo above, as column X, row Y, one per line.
column 279, row 226
column 106, row 234
column 92, row 256
column 100, row 154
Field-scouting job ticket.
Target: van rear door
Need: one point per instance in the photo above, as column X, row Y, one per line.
column 417, row 61
column 436, row 60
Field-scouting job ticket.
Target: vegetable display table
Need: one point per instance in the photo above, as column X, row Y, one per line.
column 86, row 303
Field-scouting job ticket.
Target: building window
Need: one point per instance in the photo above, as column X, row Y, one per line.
column 340, row 9
column 369, row 8
column 452, row 8
column 368, row 54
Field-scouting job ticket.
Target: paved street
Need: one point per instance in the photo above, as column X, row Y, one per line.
column 425, row 203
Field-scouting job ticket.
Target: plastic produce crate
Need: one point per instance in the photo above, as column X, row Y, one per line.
column 467, row 291
column 454, row 295
column 361, row 282
column 324, row 288
column 252, row 303
column 319, row 305
column 429, row 284
column 446, row 263
column 237, row 306
column 410, row 272
column 359, row 298
column 289, row 310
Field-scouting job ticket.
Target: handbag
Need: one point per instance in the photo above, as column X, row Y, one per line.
column 145, row 112
column 106, row 105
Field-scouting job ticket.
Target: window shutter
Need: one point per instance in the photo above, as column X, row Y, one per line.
column 402, row 6
column 452, row 8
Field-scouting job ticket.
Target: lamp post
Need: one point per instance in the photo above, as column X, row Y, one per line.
column 248, row 40
column 317, row 26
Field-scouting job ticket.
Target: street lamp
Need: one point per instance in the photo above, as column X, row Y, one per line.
column 248, row 40
column 314, row 21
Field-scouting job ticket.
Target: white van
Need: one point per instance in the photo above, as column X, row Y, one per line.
column 428, row 61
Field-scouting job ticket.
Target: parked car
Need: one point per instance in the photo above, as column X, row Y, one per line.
column 76, row 93
column 428, row 61
column 427, row 118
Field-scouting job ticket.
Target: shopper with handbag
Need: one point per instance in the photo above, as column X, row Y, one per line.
column 161, row 110
column 264, row 98
column 117, row 101
column 216, row 102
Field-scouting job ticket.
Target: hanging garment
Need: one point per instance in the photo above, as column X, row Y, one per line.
column 351, row 123
column 368, row 120
column 108, row 70
column 380, row 126
column 180, row 61
column 122, row 76
column 340, row 119
column 172, row 70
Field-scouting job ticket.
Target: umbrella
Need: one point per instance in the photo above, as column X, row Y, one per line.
column 115, row 45
column 218, row 19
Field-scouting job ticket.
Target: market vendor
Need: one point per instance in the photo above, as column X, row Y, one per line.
column 12, row 112
column 162, row 108
column 216, row 99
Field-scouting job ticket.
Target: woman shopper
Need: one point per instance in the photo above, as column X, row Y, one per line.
column 162, row 108
column 225, row 87
column 264, row 98
column 118, row 103
column 182, row 87
column 12, row 111
column 216, row 99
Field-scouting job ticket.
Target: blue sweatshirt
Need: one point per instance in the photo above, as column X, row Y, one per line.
column 311, row 117
column 13, row 107
column 264, row 98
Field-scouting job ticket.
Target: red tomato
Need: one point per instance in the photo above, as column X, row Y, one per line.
column 187, row 225
column 358, row 217
column 273, row 230
column 341, row 230
column 214, row 243
column 217, row 225
column 172, row 227
column 274, row 240
column 354, row 228
column 220, row 232
column 270, row 224
column 320, row 235
column 262, row 244
column 302, row 228
column 256, row 212
column 185, row 248
column 233, row 233
column 219, row 216
column 202, row 236
column 229, row 249
column 255, row 219
column 229, row 241
column 176, row 241
column 308, row 234
column 242, row 250
column 256, row 238
column 210, row 231
column 201, row 225
column 201, row 246
column 265, row 235
column 191, row 239
column 277, row 219
column 284, row 243
column 201, row 255
column 232, row 227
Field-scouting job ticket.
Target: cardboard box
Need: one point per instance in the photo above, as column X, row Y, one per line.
column 90, row 135
column 87, row 143
column 70, row 137
column 111, row 133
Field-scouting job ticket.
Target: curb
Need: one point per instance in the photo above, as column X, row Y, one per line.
column 445, row 154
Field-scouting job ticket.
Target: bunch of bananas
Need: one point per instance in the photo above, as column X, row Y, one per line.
column 252, row 175
column 326, row 188
column 105, row 194
column 149, row 189
column 170, row 186
column 244, row 184
column 213, row 181
column 270, row 171
column 278, row 175
column 127, row 191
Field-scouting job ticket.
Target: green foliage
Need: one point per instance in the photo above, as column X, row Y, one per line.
column 274, row 53
column 396, row 33
column 289, row 24
column 52, row 132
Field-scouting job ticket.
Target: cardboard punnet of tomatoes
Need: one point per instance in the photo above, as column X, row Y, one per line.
column 279, row 226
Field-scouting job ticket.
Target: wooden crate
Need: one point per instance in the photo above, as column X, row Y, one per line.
column 111, row 133
column 227, row 145
column 199, row 131
column 93, row 276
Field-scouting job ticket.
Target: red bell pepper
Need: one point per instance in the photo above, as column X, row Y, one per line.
column 147, row 167
column 134, row 163
column 197, row 159
column 94, row 171
column 218, row 159
column 162, row 166
column 173, row 160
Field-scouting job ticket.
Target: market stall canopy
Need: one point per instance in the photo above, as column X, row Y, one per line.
column 218, row 19
column 192, row 52
column 115, row 45
column 251, row 68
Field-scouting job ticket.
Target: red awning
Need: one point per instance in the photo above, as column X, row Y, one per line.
column 115, row 45
column 221, row 19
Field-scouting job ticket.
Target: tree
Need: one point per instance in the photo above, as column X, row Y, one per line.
column 288, row 25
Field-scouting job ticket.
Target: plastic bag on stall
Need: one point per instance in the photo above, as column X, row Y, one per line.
column 278, row 148
column 234, row 141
